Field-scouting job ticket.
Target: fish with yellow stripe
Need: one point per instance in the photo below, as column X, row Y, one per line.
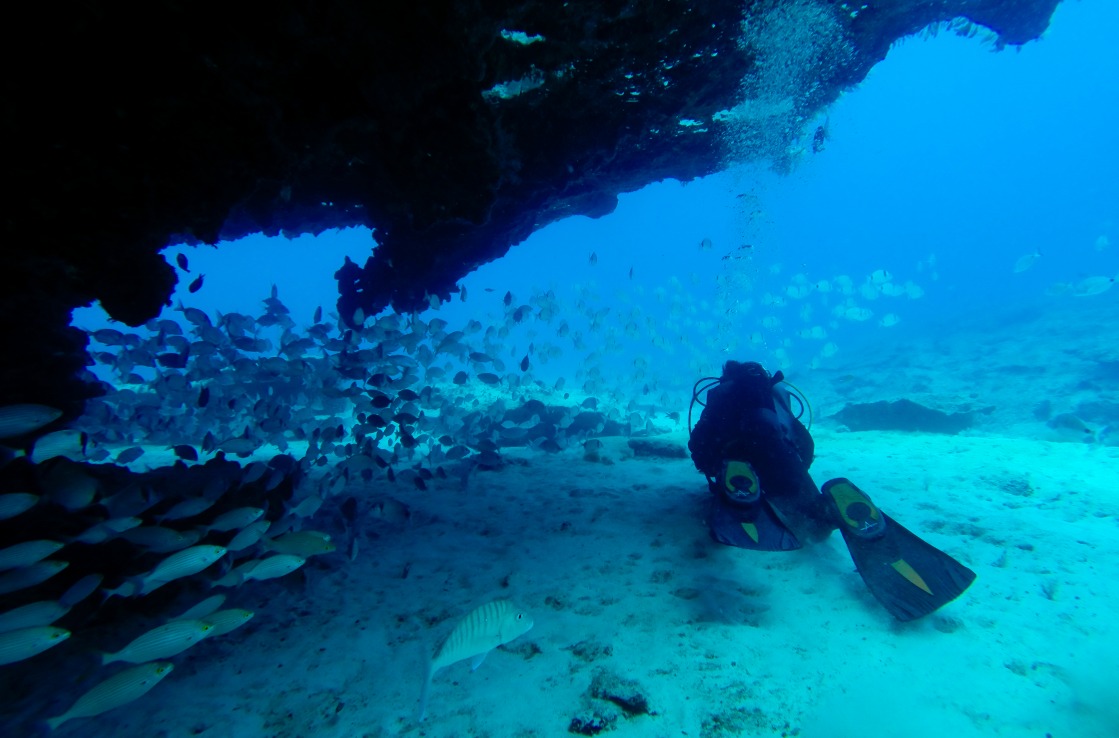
column 479, row 632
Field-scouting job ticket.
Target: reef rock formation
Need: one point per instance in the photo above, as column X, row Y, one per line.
column 453, row 129
column 904, row 415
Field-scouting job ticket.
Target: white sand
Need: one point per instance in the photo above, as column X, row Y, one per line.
column 721, row 641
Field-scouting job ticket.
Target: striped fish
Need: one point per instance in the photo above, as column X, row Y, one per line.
column 249, row 535
column 29, row 576
column 203, row 608
column 115, row 691
column 161, row 643
column 227, row 621
column 17, row 645
column 234, row 519
column 271, row 567
column 27, row 553
column 32, row 614
column 178, row 565
column 479, row 632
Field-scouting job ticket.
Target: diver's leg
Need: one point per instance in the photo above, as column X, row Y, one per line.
column 800, row 506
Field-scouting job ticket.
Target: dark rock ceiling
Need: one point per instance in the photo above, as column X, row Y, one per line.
column 129, row 127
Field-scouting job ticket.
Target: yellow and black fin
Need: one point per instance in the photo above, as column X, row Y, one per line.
column 911, row 578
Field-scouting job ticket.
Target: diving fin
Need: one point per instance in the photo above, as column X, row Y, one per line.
column 911, row 578
column 741, row 517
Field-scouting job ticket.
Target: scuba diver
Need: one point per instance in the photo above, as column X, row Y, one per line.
column 756, row 453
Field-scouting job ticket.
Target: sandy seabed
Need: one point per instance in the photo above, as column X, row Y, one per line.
column 613, row 560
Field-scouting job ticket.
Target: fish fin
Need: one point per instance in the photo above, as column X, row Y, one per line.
column 477, row 660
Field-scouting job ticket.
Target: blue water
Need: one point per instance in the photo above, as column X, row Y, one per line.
column 945, row 168
column 948, row 164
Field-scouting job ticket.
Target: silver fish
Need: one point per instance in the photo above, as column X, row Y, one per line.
column 271, row 567
column 15, row 503
column 178, row 565
column 203, row 608
column 80, row 589
column 479, row 632
column 17, row 645
column 304, row 544
column 234, row 519
column 69, row 442
column 29, row 576
column 27, row 553
column 115, row 691
column 69, row 486
column 226, row 621
column 15, row 420
column 162, row 642
column 187, row 509
column 161, row 540
column 31, row 615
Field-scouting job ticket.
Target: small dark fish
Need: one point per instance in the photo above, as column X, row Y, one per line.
column 379, row 399
column 594, row 258
column 440, row 473
column 209, row 443
column 490, row 460
column 109, row 337
column 420, row 483
column 196, row 316
column 186, row 452
column 460, row 378
column 462, row 294
column 391, row 475
column 197, row 283
column 204, row 397
column 318, row 314
column 631, row 272
column 407, row 395
column 349, row 509
column 181, row 260
column 489, row 378
column 524, row 363
column 172, row 360
column 508, row 299
column 129, row 455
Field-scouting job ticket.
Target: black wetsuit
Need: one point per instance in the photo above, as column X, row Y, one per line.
column 748, row 418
